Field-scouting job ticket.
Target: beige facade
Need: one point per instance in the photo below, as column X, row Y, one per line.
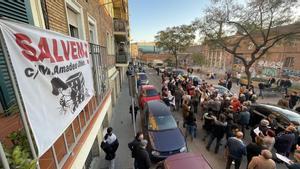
column 281, row 60
column 93, row 21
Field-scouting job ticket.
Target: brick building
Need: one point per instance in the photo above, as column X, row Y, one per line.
column 281, row 60
column 89, row 20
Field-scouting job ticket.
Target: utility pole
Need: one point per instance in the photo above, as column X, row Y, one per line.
column 3, row 158
column 132, row 93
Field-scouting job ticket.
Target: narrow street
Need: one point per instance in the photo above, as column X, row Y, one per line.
column 123, row 128
column 217, row 161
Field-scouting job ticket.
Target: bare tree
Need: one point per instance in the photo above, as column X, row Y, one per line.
column 227, row 24
column 175, row 39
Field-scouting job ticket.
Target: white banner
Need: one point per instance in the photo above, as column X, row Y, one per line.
column 54, row 75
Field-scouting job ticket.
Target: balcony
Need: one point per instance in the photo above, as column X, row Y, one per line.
column 122, row 58
column 120, row 27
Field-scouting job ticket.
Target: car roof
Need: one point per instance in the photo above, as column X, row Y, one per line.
column 158, row 108
column 148, row 87
column 187, row 160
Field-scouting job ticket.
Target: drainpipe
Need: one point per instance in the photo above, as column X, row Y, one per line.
column 3, row 158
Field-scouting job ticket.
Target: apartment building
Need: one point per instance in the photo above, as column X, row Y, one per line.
column 87, row 20
column 281, row 60
column 121, row 31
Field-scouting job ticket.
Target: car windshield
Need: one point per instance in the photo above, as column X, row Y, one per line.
column 151, row 92
column 158, row 123
column 220, row 89
column 143, row 76
column 291, row 115
column 178, row 72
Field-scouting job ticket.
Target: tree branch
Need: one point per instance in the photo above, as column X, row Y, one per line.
column 247, row 33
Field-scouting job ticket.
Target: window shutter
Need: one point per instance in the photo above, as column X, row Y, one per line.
column 15, row 10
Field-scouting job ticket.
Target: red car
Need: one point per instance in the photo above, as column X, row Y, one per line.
column 185, row 161
column 147, row 93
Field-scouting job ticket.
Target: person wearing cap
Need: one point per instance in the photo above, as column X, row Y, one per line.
column 110, row 145
column 263, row 161
column 142, row 157
column 284, row 141
column 295, row 164
column 263, row 127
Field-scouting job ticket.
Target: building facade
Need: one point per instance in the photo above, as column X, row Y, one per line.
column 89, row 20
column 281, row 60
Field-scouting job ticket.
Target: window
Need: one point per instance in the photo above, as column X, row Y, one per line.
column 151, row 93
column 288, row 62
column 92, row 30
column 158, row 123
column 73, row 31
column 75, row 19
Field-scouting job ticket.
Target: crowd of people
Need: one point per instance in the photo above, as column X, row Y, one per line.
column 223, row 116
column 227, row 116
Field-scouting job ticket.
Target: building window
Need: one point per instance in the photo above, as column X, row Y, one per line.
column 73, row 31
column 92, row 33
column 75, row 19
column 288, row 62
column 93, row 30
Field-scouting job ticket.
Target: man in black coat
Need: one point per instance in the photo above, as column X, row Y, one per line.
column 142, row 156
column 110, row 146
column 133, row 146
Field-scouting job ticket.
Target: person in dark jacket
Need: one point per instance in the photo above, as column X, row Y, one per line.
column 284, row 141
column 229, row 84
column 263, row 127
column 293, row 100
column 136, row 109
column 196, row 100
column 208, row 124
column 254, row 149
column 191, row 126
column 236, row 149
column 142, row 157
column 110, row 145
column 218, row 132
column 133, row 146
column 244, row 118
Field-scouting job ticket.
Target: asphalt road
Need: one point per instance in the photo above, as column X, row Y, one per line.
column 217, row 161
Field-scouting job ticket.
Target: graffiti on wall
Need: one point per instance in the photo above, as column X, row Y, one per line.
column 270, row 64
column 270, row 71
column 289, row 72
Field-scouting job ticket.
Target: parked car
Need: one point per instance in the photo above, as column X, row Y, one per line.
column 283, row 116
column 161, row 131
column 168, row 71
column 177, row 72
column 223, row 90
column 186, row 161
column 194, row 79
column 147, row 93
column 143, row 78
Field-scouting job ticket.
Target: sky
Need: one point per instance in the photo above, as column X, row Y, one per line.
column 147, row 17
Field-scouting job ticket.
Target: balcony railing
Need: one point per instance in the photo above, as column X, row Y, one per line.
column 120, row 25
column 122, row 58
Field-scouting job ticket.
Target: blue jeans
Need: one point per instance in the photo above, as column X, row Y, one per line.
column 191, row 129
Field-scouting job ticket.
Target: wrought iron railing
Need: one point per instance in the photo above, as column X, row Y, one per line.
column 119, row 25
column 100, row 70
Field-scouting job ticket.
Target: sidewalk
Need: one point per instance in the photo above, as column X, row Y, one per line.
column 123, row 128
